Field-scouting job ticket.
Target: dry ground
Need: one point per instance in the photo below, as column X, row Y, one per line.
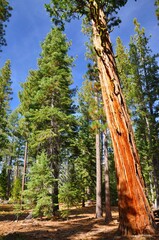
column 81, row 225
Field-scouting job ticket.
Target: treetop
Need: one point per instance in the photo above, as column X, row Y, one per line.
column 65, row 10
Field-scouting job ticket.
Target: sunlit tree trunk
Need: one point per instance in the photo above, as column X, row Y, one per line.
column 135, row 215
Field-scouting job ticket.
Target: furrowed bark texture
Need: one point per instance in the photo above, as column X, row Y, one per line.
column 135, row 215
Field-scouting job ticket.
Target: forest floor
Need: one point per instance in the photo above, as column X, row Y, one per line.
column 81, row 225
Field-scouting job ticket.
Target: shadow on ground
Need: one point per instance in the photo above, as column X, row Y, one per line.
column 81, row 225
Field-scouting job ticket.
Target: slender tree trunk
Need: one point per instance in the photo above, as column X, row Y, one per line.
column 54, row 157
column 98, row 178
column 154, row 152
column 24, row 170
column 56, row 187
column 9, row 172
column 156, row 179
column 17, row 170
column 53, row 154
column 83, row 202
column 135, row 215
column 108, row 216
column 151, row 187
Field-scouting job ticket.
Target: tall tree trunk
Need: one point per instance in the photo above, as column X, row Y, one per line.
column 17, row 170
column 56, row 186
column 108, row 216
column 98, row 178
column 135, row 215
column 53, row 154
column 156, row 179
column 152, row 137
column 9, row 172
column 24, row 170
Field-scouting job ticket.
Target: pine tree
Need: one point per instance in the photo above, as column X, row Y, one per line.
column 5, row 14
column 147, row 75
column 46, row 103
column 18, row 133
column 38, row 194
column 86, row 96
column 70, row 187
column 16, row 142
column 108, row 213
column 16, row 190
column 157, row 8
column 129, row 178
column 85, row 162
column 124, row 69
column 3, row 182
column 96, row 112
column 92, row 96
column 5, row 97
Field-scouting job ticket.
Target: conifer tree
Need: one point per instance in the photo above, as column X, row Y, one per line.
column 108, row 213
column 135, row 215
column 97, row 116
column 85, row 162
column 124, row 69
column 147, row 79
column 5, row 97
column 38, row 195
column 5, row 14
column 46, row 103
column 16, row 190
column 86, row 96
column 16, row 141
column 3, row 182
column 157, row 8
column 70, row 186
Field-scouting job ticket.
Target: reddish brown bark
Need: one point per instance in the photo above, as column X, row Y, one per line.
column 135, row 215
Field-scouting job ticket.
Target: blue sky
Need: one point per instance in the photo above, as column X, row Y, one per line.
column 30, row 24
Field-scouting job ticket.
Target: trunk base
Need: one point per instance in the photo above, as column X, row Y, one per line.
column 108, row 219
column 126, row 231
column 137, row 237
